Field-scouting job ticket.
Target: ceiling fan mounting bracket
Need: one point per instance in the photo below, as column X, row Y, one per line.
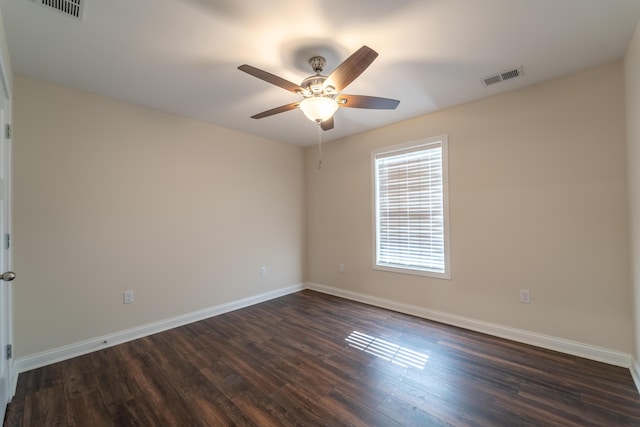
column 317, row 64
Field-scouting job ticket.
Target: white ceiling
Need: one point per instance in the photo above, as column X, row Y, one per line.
column 181, row 56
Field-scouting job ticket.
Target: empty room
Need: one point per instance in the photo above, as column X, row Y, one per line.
column 287, row 213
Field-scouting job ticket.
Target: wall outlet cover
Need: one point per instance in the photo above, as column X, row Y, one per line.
column 128, row 297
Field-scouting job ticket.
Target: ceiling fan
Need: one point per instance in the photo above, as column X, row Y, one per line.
column 321, row 93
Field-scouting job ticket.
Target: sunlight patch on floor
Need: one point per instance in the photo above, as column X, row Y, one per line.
column 386, row 350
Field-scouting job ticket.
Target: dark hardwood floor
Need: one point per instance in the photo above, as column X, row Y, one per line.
column 310, row 359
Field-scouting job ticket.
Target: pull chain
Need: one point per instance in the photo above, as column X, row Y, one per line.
column 319, row 146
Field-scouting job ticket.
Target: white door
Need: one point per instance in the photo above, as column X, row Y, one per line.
column 6, row 335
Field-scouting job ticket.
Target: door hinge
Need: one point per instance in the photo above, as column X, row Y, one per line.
column 9, row 351
column 7, row 241
column 7, row 131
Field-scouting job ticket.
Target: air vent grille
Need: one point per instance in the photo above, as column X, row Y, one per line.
column 72, row 8
column 502, row 76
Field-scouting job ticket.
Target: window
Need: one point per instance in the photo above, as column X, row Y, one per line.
column 411, row 208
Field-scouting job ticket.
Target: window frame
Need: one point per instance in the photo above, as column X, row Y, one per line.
column 408, row 147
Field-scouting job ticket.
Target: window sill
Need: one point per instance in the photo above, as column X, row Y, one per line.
column 413, row 272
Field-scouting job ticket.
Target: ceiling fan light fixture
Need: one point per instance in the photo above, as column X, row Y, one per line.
column 319, row 108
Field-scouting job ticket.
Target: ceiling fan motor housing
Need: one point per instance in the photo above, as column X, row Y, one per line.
column 314, row 86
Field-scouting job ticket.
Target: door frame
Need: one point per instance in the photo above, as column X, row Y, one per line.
column 6, row 78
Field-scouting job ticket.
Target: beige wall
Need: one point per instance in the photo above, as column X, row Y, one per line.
column 538, row 201
column 110, row 196
column 632, row 91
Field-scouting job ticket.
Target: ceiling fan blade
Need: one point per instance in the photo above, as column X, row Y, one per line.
column 351, row 68
column 362, row 101
column 327, row 124
column 271, row 78
column 276, row 110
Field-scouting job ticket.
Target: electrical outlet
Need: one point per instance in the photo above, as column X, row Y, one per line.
column 525, row 297
column 341, row 268
column 128, row 297
column 263, row 271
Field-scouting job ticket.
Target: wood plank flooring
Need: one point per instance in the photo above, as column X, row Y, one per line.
column 310, row 359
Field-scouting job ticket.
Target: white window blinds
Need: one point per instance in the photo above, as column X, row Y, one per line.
column 411, row 208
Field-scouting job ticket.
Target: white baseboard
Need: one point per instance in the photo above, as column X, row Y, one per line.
column 562, row 345
column 48, row 357
column 635, row 373
column 587, row 351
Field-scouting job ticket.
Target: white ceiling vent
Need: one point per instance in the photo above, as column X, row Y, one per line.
column 72, row 8
column 502, row 76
